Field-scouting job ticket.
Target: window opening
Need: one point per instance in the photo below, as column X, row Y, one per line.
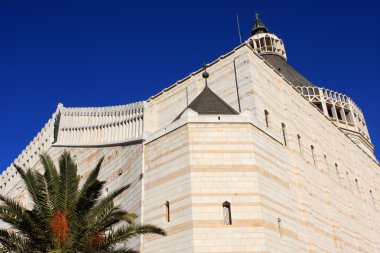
column 167, row 211
column 329, row 110
column 279, row 225
column 337, row 171
column 227, row 213
column 372, row 198
column 313, row 155
column 319, row 105
column 284, row 133
column 348, row 116
column 348, row 180
column 357, row 185
column 299, row 144
column 262, row 42
column 266, row 118
column 339, row 113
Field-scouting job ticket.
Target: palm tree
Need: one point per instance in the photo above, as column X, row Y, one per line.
column 66, row 218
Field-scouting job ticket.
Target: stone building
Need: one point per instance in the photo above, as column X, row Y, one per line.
column 245, row 155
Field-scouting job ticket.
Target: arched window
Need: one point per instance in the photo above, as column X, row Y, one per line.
column 227, row 213
column 284, row 133
column 167, row 211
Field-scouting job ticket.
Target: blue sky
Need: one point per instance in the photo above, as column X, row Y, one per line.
column 98, row 53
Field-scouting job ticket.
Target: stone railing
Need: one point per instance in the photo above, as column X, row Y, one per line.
column 338, row 107
column 30, row 155
column 100, row 125
column 267, row 43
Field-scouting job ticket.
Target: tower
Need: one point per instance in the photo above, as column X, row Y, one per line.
column 265, row 42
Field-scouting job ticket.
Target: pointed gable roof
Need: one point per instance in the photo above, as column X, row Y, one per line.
column 207, row 103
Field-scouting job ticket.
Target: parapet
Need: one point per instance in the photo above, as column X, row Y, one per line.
column 93, row 126
column 79, row 126
column 342, row 111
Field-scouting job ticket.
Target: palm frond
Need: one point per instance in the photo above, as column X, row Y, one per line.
column 91, row 191
column 12, row 242
column 105, row 202
column 30, row 181
column 65, row 218
column 122, row 250
column 16, row 207
column 68, row 183
column 51, row 177
column 125, row 233
column 44, row 203
column 94, row 173
column 88, row 197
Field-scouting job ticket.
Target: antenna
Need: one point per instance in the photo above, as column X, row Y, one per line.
column 238, row 24
column 187, row 97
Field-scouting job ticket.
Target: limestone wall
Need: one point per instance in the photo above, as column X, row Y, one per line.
column 164, row 107
column 295, row 181
column 167, row 179
column 335, row 207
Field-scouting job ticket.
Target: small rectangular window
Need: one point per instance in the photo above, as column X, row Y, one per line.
column 266, row 118
column 337, row 172
column 348, row 116
column 357, row 185
column 348, row 180
column 299, row 144
column 284, row 133
column 339, row 113
column 279, row 226
column 372, row 198
column 313, row 155
column 319, row 105
column 330, row 110
column 167, row 211
column 227, row 213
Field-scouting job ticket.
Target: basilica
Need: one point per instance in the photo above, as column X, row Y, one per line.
column 242, row 155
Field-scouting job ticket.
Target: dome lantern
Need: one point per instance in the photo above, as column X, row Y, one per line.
column 264, row 42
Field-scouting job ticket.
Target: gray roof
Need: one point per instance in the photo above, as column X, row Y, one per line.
column 207, row 102
column 286, row 70
column 258, row 25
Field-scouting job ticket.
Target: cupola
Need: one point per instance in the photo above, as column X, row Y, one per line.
column 264, row 42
